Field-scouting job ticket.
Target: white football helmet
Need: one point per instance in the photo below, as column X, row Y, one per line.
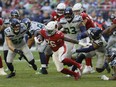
column 77, row 8
column 60, row 8
column 51, row 28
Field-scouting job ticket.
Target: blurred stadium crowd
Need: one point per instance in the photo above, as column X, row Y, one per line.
column 39, row 10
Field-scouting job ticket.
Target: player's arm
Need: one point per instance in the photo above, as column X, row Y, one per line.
column 30, row 41
column 70, row 40
column 110, row 29
column 82, row 26
column 9, row 43
column 88, row 49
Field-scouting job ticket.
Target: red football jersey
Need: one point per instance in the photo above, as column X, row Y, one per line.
column 1, row 21
column 114, row 21
column 90, row 22
column 55, row 41
column 55, row 16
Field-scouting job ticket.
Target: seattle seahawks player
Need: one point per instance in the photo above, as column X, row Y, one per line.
column 17, row 45
column 71, row 25
column 97, row 48
column 111, row 58
column 13, row 14
column 41, row 46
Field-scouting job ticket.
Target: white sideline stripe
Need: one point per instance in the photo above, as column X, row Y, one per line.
column 32, row 48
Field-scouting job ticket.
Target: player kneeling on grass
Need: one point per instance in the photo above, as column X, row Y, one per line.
column 55, row 39
column 17, row 45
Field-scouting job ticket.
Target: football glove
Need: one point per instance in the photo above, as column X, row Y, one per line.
column 18, row 51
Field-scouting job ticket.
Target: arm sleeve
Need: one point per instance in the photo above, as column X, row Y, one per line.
column 82, row 35
column 90, row 48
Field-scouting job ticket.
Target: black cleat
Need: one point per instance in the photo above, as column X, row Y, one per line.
column 43, row 71
column 12, row 74
column 34, row 67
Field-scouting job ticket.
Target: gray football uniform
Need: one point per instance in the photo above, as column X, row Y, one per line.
column 18, row 43
column 99, row 53
column 71, row 30
column 43, row 47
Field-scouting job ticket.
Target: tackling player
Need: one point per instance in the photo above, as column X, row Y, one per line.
column 32, row 26
column 97, row 48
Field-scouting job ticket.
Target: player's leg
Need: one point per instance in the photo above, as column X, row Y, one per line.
column 9, row 61
column 29, row 56
column 60, row 67
column 1, row 67
column 41, row 48
column 113, row 77
column 5, row 52
column 100, row 62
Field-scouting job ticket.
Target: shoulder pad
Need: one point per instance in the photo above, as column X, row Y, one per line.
column 8, row 31
column 63, row 21
column 77, row 19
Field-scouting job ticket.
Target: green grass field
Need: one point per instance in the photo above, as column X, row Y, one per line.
column 26, row 77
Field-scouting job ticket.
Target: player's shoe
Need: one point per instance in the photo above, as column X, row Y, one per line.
column 43, row 71
column 34, row 67
column 92, row 70
column 104, row 77
column 113, row 77
column 2, row 72
column 88, row 69
column 12, row 74
column 6, row 69
column 77, row 76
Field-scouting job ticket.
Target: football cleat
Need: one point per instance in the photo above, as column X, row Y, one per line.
column 2, row 72
column 77, row 76
column 43, row 71
column 88, row 69
column 12, row 74
column 104, row 77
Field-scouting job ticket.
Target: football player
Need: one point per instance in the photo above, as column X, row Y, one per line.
column 43, row 49
column 71, row 25
column 55, row 39
column 17, row 45
column 111, row 58
column 59, row 12
column 1, row 64
column 78, row 10
column 13, row 14
column 97, row 48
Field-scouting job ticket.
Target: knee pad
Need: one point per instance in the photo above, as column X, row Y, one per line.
column 99, row 70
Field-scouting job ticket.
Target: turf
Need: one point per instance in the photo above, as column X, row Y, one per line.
column 26, row 77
